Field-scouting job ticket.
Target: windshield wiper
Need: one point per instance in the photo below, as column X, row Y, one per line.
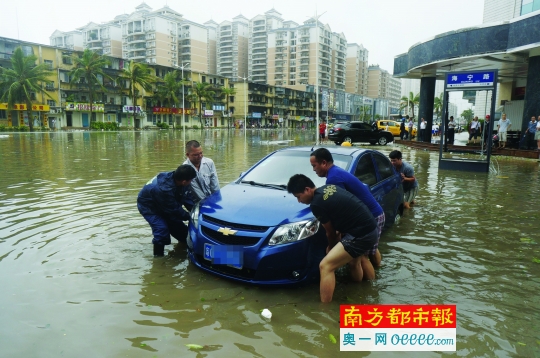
column 275, row 186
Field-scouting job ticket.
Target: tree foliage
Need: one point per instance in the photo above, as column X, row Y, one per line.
column 23, row 81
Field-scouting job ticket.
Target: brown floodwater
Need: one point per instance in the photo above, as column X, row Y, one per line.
column 77, row 276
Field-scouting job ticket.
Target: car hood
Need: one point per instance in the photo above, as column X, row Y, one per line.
column 252, row 205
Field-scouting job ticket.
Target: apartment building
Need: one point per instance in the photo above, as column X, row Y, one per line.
column 293, row 60
column 262, row 105
column 70, row 40
column 211, row 45
column 356, row 69
column 151, row 36
column 382, row 84
column 193, row 46
column 232, row 48
column 258, row 43
column 104, row 39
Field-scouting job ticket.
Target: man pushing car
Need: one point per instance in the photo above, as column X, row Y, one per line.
column 350, row 228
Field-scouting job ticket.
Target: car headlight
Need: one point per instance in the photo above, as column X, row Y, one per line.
column 294, row 232
column 195, row 216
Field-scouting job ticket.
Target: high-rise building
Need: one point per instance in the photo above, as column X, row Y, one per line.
column 151, row 36
column 382, row 84
column 193, row 40
column 211, row 41
column 70, row 40
column 357, row 69
column 293, row 60
column 258, row 43
column 104, row 39
column 232, row 48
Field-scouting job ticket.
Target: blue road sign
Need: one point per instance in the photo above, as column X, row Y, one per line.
column 475, row 79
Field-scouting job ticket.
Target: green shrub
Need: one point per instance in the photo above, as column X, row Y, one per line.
column 162, row 125
column 3, row 128
column 22, row 128
column 195, row 126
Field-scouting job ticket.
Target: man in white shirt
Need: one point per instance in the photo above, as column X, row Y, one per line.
column 206, row 182
column 410, row 127
column 423, row 130
column 474, row 130
column 503, row 128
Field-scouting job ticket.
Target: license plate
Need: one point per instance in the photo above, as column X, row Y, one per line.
column 230, row 255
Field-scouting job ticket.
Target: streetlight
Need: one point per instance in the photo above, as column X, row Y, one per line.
column 183, row 107
column 316, row 17
column 245, row 102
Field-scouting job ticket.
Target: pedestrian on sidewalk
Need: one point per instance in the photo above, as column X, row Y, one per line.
column 451, row 130
column 530, row 132
column 474, row 130
column 503, row 128
column 423, row 125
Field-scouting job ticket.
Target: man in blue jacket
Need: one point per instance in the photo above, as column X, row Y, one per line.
column 322, row 163
column 160, row 203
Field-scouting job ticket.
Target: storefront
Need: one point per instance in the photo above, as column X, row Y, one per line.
column 19, row 116
column 78, row 114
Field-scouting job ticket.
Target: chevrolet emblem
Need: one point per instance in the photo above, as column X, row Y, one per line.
column 227, row 231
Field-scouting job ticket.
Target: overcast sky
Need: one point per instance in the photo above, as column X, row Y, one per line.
column 385, row 27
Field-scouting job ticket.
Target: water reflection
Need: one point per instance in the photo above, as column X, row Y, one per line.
column 78, row 276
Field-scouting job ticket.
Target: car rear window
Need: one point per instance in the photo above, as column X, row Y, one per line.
column 341, row 125
column 279, row 167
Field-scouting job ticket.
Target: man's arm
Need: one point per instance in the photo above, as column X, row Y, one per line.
column 214, row 181
column 330, row 234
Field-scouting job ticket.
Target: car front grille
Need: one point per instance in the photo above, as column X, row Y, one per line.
column 230, row 239
column 227, row 270
column 234, row 226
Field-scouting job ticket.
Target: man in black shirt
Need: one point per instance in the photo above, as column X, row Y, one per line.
column 350, row 228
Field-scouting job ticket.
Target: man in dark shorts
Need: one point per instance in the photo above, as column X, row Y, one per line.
column 350, row 228
column 322, row 162
column 322, row 131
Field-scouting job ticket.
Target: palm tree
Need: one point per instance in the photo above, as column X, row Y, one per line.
column 169, row 89
column 203, row 92
column 438, row 104
column 88, row 69
column 228, row 92
column 411, row 101
column 365, row 115
column 23, row 80
column 137, row 74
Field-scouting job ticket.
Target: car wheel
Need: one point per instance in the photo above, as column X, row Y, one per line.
column 347, row 139
column 382, row 141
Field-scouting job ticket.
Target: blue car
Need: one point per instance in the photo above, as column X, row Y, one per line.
column 255, row 232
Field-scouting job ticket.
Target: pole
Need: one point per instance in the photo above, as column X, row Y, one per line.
column 183, row 100
column 317, row 77
column 245, row 102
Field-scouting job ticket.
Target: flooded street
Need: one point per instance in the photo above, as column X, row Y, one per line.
column 77, row 276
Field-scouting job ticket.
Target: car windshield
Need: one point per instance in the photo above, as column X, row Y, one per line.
column 340, row 125
column 278, row 168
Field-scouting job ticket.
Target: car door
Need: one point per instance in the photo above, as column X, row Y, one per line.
column 388, row 189
column 393, row 127
column 362, row 132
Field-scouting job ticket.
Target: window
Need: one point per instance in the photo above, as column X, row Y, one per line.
column 365, row 170
column 204, row 78
column 386, row 169
column 49, row 63
column 51, row 103
column 49, row 86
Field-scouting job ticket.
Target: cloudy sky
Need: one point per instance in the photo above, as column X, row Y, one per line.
column 385, row 27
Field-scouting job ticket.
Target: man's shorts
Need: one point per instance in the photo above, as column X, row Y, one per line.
column 408, row 196
column 502, row 136
column 322, row 135
column 358, row 246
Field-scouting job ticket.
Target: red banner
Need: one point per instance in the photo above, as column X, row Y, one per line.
column 166, row 110
column 397, row 316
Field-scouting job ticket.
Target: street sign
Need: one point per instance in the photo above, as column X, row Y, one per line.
column 473, row 79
